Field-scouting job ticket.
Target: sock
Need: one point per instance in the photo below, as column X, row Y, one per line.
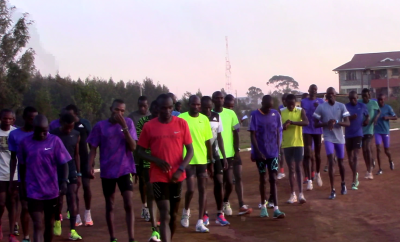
column 305, row 178
column 200, row 221
column 276, row 208
column 312, row 174
column 186, row 211
column 282, row 170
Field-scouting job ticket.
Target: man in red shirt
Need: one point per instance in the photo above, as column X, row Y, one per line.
column 166, row 136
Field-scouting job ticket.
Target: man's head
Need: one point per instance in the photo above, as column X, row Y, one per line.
column 154, row 109
column 218, row 99
column 206, row 105
column 7, row 118
column 304, row 95
column 178, row 106
column 331, row 94
column 381, row 99
column 353, row 97
column 71, row 109
column 266, row 102
column 29, row 115
column 41, row 127
column 67, row 122
column 284, row 99
column 117, row 107
column 172, row 96
column 366, row 95
column 143, row 106
column 313, row 90
column 290, row 101
column 229, row 101
column 165, row 106
column 194, row 104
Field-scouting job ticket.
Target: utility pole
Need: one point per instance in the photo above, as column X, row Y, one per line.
column 228, row 84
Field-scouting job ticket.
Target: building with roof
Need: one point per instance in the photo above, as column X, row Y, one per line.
column 380, row 72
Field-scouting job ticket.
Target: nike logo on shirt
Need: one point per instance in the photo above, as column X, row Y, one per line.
column 176, row 132
column 47, row 148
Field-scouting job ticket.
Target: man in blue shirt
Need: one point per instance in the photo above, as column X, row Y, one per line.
column 381, row 131
column 173, row 97
column 354, row 133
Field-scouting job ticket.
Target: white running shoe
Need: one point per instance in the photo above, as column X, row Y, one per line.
column 260, row 205
column 88, row 218
column 309, row 185
column 302, row 199
column 78, row 221
column 371, row 177
column 147, row 215
column 227, row 209
column 366, row 175
column 281, row 175
column 319, row 179
column 201, row 228
column 292, row 199
column 185, row 218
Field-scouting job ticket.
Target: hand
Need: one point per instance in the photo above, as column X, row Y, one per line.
column 386, row 118
column 63, row 188
column 237, row 156
column 226, row 165
column 331, row 124
column 286, row 124
column 210, row 170
column 79, row 181
column 352, row 117
column 316, row 104
column 176, row 176
column 365, row 123
column 375, row 121
column 120, row 120
column 92, row 173
column 261, row 156
column 163, row 165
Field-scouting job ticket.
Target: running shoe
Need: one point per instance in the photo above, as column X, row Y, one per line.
column 270, row 202
column 74, row 235
column 380, row 172
column 357, row 182
column 155, row 236
column 88, row 218
column 366, row 175
column 61, row 218
column 227, row 209
column 281, row 175
column 143, row 211
column 260, row 205
column 318, row 178
column 67, row 216
column 292, row 199
column 371, row 177
column 113, row 240
column 12, row 238
column 302, row 199
column 185, row 218
column 354, row 187
column 245, row 209
column 333, row 195
column 78, row 221
column 16, row 229
column 201, row 228
column 264, row 212
column 309, row 185
column 221, row 220
column 57, row 228
column 391, row 165
column 344, row 189
column 206, row 220
column 326, row 169
column 26, row 240
column 147, row 216
column 278, row 214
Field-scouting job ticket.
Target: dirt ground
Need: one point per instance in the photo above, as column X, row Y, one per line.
column 368, row 214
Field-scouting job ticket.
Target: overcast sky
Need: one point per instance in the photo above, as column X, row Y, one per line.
column 181, row 43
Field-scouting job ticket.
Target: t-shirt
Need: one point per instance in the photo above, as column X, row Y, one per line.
column 136, row 116
column 216, row 128
column 373, row 108
column 293, row 135
column 54, row 124
column 5, row 156
column 139, row 128
column 308, row 105
column 115, row 158
column 166, row 142
column 175, row 113
column 230, row 122
column 14, row 139
column 266, row 128
column 383, row 126
column 41, row 159
column 200, row 130
column 356, row 125
column 326, row 112
column 69, row 140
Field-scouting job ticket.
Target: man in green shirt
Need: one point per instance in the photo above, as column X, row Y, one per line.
column 230, row 135
column 368, row 131
column 200, row 130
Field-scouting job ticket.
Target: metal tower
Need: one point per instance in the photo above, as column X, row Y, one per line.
column 228, row 84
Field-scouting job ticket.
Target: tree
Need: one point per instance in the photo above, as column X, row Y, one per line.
column 283, row 84
column 254, row 94
column 16, row 62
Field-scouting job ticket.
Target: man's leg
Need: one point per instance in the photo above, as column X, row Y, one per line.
column 307, row 140
column 219, row 191
column 330, row 150
column 150, row 197
column 298, row 159
column 281, row 173
column 190, row 184
column 36, row 211
column 378, row 142
column 24, row 216
column 237, row 172
column 161, row 193
column 72, row 208
column 228, row 182
column 351, row 155
column 289, row 161
column 366, row 148
column 125, row 186
column 48, row 210
column 12, row 199
column 339, row 149
column 272, row 166
column 109, row 194
column 317, row 138
column 3, row 201
column 202, row 176
column 261, row 165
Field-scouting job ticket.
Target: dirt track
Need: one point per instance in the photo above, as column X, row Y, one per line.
column 368, row 214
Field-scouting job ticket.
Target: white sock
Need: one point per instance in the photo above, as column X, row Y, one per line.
column 186, row 211
column 87, row 211
column 145, row 205
column 219, row 211
column 200, row 221
column 276, row 208
column 263, row 206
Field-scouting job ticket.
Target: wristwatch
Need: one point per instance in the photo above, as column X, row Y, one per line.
column 78, row 174
column 237, row 150
column 181, row 168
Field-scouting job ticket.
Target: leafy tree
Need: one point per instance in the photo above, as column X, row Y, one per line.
column 283, row 84
column 254, row 94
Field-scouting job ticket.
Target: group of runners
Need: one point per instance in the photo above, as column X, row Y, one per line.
column 161, row 148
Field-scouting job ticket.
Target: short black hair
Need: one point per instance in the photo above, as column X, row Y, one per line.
column 353, row 92
column 6, row 110
column 67, row 118
column 161, row 98
column 153, row 104
column 206, row 99
column 285, row 95
column 365, row 90
column 178, row 103
column 27, row 110
column 290, row 97
column 142, row 99
column 120, row 101
column 229, row 98
column 192, row 97
column 216, row 93
column 72, row 107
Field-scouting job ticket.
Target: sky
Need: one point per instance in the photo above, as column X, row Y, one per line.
column 181, row 43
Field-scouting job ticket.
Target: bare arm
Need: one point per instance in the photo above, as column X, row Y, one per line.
column 130, row 142
column 255, row 145
column 375, row 119
column 345, row 122
column 92, row 157
column 77, row 157
column 189, row 155
column 13, row 165
column 221, row 145
column 366, row 121
column 304, row 119
column 209, row 150
column 390, row 117
column 236, row 139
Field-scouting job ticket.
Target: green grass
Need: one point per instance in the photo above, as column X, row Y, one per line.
column 244, row 137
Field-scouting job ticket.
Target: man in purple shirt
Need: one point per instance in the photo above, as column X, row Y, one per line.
column 39, row 155
column 311, row 135
column 265, row 126
column 281, row 173
column 116, row 138
column 14, row 139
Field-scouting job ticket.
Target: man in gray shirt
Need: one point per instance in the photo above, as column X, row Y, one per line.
column 333, row 116
column 143, row 110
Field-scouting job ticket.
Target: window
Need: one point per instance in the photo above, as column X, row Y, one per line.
column 395, row 72
column 351, row 75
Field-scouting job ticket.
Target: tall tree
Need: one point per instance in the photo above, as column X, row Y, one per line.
column 283, row 84
column 254, row 94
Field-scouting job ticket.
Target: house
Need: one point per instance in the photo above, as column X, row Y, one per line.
column 380, row 72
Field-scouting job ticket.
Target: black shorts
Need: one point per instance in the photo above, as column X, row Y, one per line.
column 22, row 194
column 309, row 138
column 167, row 191
column 72, row 174
column 219, row 167
column 46, row 206
column 354, row 143
column 196, row 171
column 232, row 161
column 4, row 186
column 145, row 175
column 124, row 184
column 270, row 163
column 367, row 137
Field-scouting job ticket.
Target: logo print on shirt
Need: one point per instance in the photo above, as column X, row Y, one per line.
column 47, row 148
column 80, row 126
column 176, row 132
column 273, row 114
column 215, row 119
